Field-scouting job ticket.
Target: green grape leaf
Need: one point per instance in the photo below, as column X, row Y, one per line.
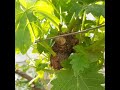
column 43, row 46
column 45, row 27
column 79, row 60
column 88, row 80
column 52, row 33
column 27, row 3
column 47, row 12
column 30, row 16
column 96, row 10
column 52, row 18
column 43, row 5
column 39, row 65
column 68, row 7
column 95, row 50
column 35, row 27
column 22, row 35
column 18, row 13
column 37, row 30
column 86, row 1
column 27, row 30
column 75, row 22
column 66, row 64
column 17, row 7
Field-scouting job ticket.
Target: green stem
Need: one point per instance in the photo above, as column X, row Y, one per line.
column 60, row 24
column 60, row 15
column 83, row 20
column 82, row 26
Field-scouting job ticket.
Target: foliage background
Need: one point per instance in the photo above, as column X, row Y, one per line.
column 41, row 19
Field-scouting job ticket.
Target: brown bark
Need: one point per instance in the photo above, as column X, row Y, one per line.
column 29, row 78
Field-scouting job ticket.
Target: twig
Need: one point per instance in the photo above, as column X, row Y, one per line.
column 73, row 33
column 29, row 78
column 24, row 75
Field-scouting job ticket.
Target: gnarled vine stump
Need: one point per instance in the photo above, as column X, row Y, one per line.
column 63, row 47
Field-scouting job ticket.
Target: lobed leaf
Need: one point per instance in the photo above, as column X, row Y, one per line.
column 90, row 79
column 79, row 60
